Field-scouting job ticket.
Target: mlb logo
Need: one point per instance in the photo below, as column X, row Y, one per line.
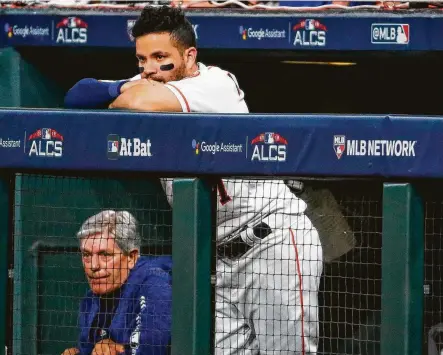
column 339, row 145
column 46, row 133
column 402, row 34
column 113, row 146
column 269, row 138
column 71, row 22
column 310, row 25
column 390, row 33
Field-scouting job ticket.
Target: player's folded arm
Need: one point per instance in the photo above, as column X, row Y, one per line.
column 91, row 93
column 148, row 97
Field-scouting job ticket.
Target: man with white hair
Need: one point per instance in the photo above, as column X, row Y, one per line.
column 128, row 307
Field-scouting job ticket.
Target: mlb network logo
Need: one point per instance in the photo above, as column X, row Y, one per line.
column 339, row 145
column 390, row 33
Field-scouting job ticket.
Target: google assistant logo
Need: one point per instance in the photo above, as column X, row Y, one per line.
column 196, row 146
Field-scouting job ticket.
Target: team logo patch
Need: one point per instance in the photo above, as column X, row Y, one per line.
column 339, row 145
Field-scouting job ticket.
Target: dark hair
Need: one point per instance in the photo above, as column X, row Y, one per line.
column 165, row 19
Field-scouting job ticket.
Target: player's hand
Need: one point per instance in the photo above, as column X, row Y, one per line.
column 71, row 351
column 389, row 5
column 133, row 83
column 107, row 347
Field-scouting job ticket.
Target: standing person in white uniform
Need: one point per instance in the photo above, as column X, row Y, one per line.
column 269, row 254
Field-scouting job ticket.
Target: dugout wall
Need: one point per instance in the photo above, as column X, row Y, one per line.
column 351, row 285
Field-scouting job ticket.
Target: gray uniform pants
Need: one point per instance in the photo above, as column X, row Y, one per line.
column 267, row 299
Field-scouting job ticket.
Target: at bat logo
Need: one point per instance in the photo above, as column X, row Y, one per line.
column 72, row 30
column 127, row 147
column 339, row 145
column 269, row 147
column 47, row 143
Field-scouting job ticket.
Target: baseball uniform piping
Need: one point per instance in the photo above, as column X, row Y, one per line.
column 300, row 282
column 182, row 96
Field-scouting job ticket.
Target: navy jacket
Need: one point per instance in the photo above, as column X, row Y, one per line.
column 142, row 320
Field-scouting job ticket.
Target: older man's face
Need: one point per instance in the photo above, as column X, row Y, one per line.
column 106, row 266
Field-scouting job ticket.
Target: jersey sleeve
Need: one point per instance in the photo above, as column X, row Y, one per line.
column 154, row 334
column 213, row 91
column 90, row 93
column 179, row 90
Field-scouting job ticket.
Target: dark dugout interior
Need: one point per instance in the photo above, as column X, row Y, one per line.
column 307, row 82
column 283, row 82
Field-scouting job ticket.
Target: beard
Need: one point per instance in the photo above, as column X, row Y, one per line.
column 178, row 73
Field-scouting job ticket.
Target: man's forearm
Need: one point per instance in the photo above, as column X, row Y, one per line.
column 124, row 102
column 148, row 97
column 91, row 93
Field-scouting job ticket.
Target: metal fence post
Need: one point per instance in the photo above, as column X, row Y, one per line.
column 5, row 220
column 191, row 281
column 402, row 271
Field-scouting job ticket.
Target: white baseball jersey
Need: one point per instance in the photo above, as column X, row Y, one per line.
column 212, row 89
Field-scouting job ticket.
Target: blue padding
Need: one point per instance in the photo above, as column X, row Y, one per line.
column 283, row 145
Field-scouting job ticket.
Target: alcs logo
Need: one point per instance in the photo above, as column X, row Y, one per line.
column 270, row 147
column 72, row 30
column 46, row 142
column 309, row 33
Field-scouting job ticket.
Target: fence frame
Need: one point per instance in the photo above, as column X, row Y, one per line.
column 402, row 270
column 6, row 189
